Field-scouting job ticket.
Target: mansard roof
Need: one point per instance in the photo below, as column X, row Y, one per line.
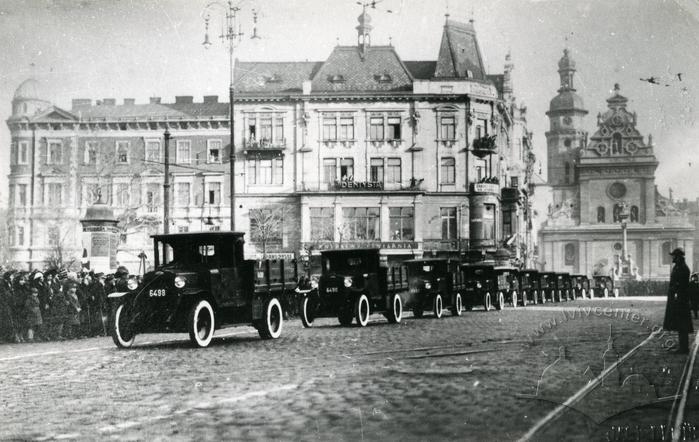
column 273, row 77
column 459, row 53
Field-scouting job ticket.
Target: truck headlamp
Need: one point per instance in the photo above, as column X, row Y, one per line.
column 428, row 285
column 180, row 282
column 478, row 284
column 132, row 284
column 314, row 284
column 348, row 282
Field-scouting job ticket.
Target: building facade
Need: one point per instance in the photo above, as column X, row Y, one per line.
column 360, row 150
column 603, row 185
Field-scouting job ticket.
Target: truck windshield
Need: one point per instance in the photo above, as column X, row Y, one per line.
column 185, row 254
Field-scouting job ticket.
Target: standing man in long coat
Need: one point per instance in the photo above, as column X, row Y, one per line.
column 677, row 311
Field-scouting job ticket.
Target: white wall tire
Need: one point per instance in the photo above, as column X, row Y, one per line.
column 396, row 313
column 307, row 316
column 487, row 303
column 525, row 300
column 273, row 322
column 200, row 323
column 121, row 337
column 500, row 301
column 616, row 292
column 437, row 306
column 583, row 293
column 457, row 305
column 514, row 299
column 560, row 296
column 536, row 297
column 606, row 292
column 361, row 311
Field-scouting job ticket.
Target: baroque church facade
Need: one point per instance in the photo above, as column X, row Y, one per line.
column 606, row 216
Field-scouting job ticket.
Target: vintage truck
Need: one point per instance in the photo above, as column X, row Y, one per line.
column 353, row 284
column 488, row 285
column 200, row 283
column 431, row 287
column 529, row 285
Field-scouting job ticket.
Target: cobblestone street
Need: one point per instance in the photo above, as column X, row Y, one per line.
column 482, row 376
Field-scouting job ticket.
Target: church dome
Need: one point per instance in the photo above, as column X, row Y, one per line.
column 566, row 100
column 566, row 62
column 28, row 90
column 364, row 19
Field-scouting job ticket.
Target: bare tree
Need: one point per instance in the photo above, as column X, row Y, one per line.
column 59, row 257
column 266, row 225
column 6, row 241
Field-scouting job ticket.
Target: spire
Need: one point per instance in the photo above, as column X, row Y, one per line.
column 364, row 31
column 507, row 88
column 566, row 70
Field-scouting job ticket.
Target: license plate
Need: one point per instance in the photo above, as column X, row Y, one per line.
column 331, row 290
column 156, row 292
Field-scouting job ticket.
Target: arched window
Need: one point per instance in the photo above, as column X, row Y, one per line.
column 665, row 258
column 617, row 212
column 616, row 143
column 566, row 173
column 569, row 254
column 633, row 215
column 600, row 215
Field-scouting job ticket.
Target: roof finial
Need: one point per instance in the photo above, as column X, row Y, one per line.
column 390, row 40
column 446, row 14
column 337, row 41
column 616, row 88
column 472, row 20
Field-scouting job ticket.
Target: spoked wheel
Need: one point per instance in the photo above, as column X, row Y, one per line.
column 361, row 311
column 525, row 302
column 457, row 305
column 122, row 335
column 487, row 303
column 307, row 312
column 271, row 326
column 200, row 323
column 396, row 313
column 514, row 299
column 501, row 301
column 437, row 306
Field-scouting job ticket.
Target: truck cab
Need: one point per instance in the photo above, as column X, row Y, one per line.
column 431, row 287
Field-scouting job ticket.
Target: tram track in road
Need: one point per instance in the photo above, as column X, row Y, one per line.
column 677, row 412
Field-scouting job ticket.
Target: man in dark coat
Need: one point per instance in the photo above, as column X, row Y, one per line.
column 677, row 311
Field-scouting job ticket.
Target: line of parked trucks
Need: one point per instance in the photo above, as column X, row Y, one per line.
column 202, row 282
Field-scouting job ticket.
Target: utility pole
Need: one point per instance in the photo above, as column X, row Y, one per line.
column 166, row 185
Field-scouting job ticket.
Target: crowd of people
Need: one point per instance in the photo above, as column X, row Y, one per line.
column 56, row 305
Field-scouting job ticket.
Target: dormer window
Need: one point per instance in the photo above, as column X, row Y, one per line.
column 336, row 78
column 274, row 78
column 383, row 78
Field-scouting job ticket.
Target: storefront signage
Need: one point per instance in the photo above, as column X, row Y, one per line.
column 358, row 185
column 486, row 188
column 362, row 245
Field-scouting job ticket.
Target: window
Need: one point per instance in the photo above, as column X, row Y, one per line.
column 13, row 153
column 665, row 249
column 55, row 194
column 448, row 172
column 184, row 152
column 322, row 223
column 122, row 152
column 53, row 236
column 633, row 216
column 266, row 171
column 182, row 229
column 507, row 222
column 266, row 128
column 23, row 154
column 569, row 254
column 90, row 155
column 55, row 153
column 347, row 129
column 214, row 148
column 182, row 194
column 347, row 169
column 362, row 223
column 394, row 128
column 21, row 195
column 616, row 212
column 252, row 130
column 447, row 128
column 12, row 235
column 19, row 234
column 566, row 173
column 489, row 222
column 329, row 129
column 448, row 215
column 616, row 143
column 376, row 129
column 446, row 89
column 393, row 172
column 152, row 200
column 122, row 194
column 514, row 182
column 90, row 193
column 376, row 170
column 153, row 151
column 481, row 168
column 601, row 215
column 213, row 193
column 279, row 130
column 481, row 128
column 329, row 170
column 401, row 223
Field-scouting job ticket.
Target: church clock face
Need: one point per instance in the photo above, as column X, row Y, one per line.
column 567, row 120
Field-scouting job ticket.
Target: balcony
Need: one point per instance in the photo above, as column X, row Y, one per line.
column 252, row 145
column 510, row 194
column 484, row 146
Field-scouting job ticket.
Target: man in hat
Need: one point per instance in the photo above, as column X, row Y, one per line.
column 677, row 314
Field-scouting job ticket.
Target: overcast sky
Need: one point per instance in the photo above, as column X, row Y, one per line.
column 136, row 49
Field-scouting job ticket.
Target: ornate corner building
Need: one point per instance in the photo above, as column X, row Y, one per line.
column 360, row 150
column 606, row 209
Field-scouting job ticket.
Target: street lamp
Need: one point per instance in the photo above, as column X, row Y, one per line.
column 231, row 35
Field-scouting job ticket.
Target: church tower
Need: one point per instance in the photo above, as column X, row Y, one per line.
column 565, row 139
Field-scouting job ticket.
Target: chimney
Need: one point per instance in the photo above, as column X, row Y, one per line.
column 210, row 98
column 184, row 99
column 306, row 87
column 81, row 102
column 109, row 101
column 129, row 101
column 154, row 100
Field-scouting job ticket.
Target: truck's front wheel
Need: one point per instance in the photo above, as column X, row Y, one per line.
column 396, row 313
column 361, row 311
column 122, row 335
column 307, row 312
column 200, row 323
column 271, row 326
